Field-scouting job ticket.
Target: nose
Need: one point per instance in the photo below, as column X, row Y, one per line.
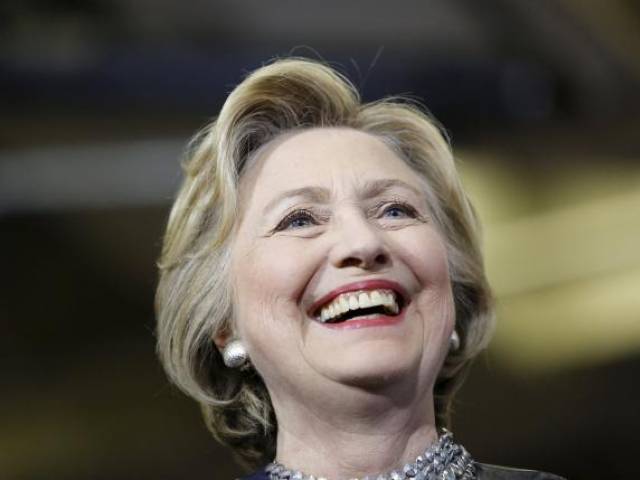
column 358, row 244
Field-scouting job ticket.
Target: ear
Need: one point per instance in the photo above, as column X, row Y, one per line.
column 222, row 338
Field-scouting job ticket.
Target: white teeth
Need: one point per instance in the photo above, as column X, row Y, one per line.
column 363, row 300
column 357, row 300
column 344, row 303
column 387, row 299
column 395, row 308
column 353, row 303
column 376, row 297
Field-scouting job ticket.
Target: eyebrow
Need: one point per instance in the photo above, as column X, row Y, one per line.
column 369, row 189
column 374, row 188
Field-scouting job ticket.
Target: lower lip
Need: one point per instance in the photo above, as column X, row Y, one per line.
column 366, row 322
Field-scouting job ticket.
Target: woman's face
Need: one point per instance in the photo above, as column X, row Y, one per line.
column 340, row 276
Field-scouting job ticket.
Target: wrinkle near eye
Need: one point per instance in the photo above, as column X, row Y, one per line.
column 283, row 223
column 372, row 209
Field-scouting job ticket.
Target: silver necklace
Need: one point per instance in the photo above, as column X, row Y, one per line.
column 444, row 460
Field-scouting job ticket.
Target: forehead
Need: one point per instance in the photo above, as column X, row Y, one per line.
column 330, row 157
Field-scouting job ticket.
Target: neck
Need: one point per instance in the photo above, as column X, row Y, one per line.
column 354, row 434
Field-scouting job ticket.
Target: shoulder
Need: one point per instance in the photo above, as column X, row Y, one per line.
column 496, row 472
column 260, row 475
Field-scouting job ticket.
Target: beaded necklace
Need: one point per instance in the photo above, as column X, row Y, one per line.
column 444, row 460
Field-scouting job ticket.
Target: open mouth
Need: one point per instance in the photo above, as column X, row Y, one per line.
column 359, row 304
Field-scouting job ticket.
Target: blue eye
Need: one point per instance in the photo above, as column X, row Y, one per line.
column 399, row 210
column 395, row 212
column 297, row 219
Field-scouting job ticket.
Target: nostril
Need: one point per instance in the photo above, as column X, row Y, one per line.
column 351, row 262
column 381, row 259
column 363, row 262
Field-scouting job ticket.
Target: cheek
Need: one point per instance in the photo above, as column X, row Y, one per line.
column 268, row 281
column 278, row 268
column 424, row 252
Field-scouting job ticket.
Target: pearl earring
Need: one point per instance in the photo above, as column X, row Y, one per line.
column 454, row 341
column 234, row 354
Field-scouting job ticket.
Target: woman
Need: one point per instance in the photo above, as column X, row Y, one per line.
column 322, row 289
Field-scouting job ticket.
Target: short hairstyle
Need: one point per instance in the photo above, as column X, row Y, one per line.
column 194, row 299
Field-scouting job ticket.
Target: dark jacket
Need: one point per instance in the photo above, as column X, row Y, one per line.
column 483, row 472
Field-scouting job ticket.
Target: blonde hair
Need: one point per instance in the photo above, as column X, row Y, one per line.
column 193, row 301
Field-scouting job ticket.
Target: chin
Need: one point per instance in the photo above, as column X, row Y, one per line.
column 374, row 365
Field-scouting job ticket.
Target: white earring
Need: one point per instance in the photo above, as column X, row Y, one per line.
column 454, row 341
column 234, row 354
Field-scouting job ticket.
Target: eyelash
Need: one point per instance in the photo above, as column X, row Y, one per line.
column 295, row 215
column 305, row 214
column 409, row 209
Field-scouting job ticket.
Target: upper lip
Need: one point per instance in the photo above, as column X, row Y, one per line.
column 372, row 284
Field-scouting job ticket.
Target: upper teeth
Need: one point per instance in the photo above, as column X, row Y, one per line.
column 361, row 299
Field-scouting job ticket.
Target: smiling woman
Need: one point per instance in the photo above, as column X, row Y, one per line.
column 322, row 288
column 347, row 248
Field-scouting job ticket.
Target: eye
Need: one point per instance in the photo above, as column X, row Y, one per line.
column 399, row 210
column 296, row 219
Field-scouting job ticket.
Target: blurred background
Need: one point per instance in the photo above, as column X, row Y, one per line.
column 97, row 101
